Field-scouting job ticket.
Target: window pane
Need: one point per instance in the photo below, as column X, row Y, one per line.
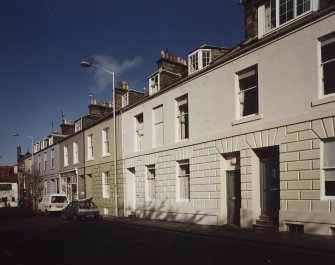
column 329, row 154
column 250, row 102
column 248, row 82
column 328, row 54
column 328, row 51
column 329, row 78
column 183, row 120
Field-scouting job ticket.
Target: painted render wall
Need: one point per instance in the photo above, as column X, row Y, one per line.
column 95, row 167
column 285, row 73
column 292, row 118
column 73, row 168
column 50, row 174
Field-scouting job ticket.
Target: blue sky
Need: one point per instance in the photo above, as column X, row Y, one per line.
column 43, row 41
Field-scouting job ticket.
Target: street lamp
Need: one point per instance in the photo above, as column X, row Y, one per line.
column 87, row 65
column 33, row 166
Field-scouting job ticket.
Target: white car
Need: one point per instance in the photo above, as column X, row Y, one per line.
column 52, row 203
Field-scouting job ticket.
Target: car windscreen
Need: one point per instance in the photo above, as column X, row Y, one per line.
column 87, row 205
column 58, row 199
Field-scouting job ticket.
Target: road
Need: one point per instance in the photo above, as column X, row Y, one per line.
column 49, row 240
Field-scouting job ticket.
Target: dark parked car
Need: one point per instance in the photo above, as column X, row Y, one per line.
column 77, row 210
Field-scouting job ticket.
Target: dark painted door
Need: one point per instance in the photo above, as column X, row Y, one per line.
column 270, row 196
column 234, row 196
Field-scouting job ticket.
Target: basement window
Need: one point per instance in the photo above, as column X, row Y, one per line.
column 295, row 228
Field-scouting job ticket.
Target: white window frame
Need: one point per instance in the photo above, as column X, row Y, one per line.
column 179, row 175
column 330, row 38
column 262, row 16
column 324, row 169
column 45, row 161
column 45, row 187
column 90, row 149
column 105, row 142
column 52, row 160
column 78, row 126
column 154, row 82
column 75, row 153
column 196, row 62
column 66, row 156
column 105, row 185
column 157, row 123
column 150, row 183
column 240, row 97
column 125, row 99
column 139, row 132
column 182, row 118
column 39, row 163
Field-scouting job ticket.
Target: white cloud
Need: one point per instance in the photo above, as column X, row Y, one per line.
column 102, row 79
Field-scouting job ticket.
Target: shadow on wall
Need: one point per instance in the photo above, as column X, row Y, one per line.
column 171, row 214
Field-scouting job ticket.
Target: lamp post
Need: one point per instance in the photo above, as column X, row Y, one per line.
column 32, row 168
column 87, row 65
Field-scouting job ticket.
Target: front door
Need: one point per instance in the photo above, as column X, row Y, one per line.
column 131, row 191
column 270, row 192
column 89, row 186
column 234, row 197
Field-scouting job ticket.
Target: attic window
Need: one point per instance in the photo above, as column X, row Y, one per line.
column 78, row 126
column 198, row 60
column 154, row 84
column 276, row 13
column 125, row 99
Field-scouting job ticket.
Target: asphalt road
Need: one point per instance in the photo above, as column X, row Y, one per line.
column 27, row 239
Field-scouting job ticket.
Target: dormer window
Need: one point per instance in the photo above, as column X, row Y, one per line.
column 198, row 60
column 276, row 13
column 154, row 84
column 78, row 125
column 125, row 99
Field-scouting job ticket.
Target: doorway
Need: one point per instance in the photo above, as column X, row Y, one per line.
column 269, row 181
column 131, row 192
column 233, row 197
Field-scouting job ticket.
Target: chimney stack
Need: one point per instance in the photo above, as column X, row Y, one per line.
column 124, row 85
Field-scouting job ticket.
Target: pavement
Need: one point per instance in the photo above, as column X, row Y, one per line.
column 306, row 242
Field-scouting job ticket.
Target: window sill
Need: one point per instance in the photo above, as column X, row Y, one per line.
column 183, row 201
column 90, row 159
column 76, row 163
column 105, row 155
column 182, row 140
column 324, row 100
column 246, row 119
